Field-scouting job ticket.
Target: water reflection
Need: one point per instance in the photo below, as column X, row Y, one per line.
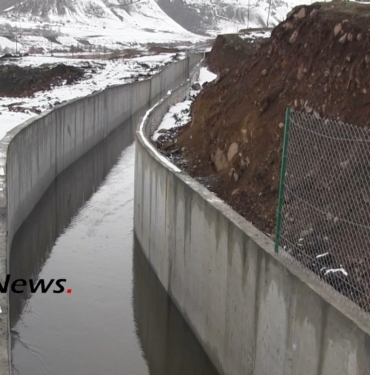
column 169, row 345
column 36, row 237
column 119, row 319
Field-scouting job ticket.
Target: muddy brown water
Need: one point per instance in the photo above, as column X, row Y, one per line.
column 118, row 318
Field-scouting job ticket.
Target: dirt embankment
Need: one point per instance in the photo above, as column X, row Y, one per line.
column 18, row 81
column 230, row 50
column 318, row 60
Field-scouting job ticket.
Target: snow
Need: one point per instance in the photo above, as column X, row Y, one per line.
column 322, row 255
column 335, row 270
column 150, row 146
column 179, row 114
column 206, row 76
column 100, row 23
column 5, row 43
column 255, row 34
column 107, row 72
column 9, row 120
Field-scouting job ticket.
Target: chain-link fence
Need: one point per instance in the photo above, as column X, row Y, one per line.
column 324, row 202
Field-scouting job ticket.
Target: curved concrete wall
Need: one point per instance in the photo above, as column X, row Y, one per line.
column 35, row 152
column 255, row 312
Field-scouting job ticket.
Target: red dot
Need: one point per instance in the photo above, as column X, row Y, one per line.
column 69, row 291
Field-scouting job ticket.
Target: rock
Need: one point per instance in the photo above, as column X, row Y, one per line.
column 329, row 216
column 350, row 37
column 365, row 196
column 236, row 177
column 336, row 220
column 225, row 72
column 344, row 164
column 288, row 25
column 317, row 115
column 364, row 91
column 281, row 125
column 300, row 73
column 301, row 14
column 337, row 29
column 167, row 145
column 308, row 109
column 306, row 233
column 343, row 39
column 264, row 72
column 349, row 58
column 219, row 160
column 231, row 172
column 236, row 191
column 359, row 37
column 244, row 135
column 293, row 37
column 233, row 150
column 196, row 86
column 161, row 131
column 314, row 12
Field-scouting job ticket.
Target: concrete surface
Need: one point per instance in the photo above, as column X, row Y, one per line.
column 255, row 312
column 35, row 152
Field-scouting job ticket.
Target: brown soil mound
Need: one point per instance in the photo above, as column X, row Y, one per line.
column 229, row 50
column 318, row 60
column 17, row 81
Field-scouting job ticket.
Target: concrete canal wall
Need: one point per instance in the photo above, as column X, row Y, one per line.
column 255, row 312
column 35, row 152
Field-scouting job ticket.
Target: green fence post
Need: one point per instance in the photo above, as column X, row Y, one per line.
column 282, row 179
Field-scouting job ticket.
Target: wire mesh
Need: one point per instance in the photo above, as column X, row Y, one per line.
column 325, row 220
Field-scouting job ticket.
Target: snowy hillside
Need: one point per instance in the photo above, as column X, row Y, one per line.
column 114, row 24
column 215, row 16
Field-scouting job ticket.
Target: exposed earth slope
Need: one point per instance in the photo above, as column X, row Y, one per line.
column 317, row 60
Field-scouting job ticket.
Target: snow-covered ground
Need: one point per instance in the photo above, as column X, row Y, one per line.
column 255, row 34
column 179, row 114
column 99, row 74
column 88, row 24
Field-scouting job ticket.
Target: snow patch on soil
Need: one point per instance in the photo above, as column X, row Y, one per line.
column 179, row 114
column 98, row 75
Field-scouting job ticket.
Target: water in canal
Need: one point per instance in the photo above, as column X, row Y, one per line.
column 118, row 319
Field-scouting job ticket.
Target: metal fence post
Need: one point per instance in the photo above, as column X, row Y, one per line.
column 282, row 178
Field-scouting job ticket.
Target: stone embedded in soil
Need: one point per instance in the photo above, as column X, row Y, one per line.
column 288, row 25
column 236, row 191
column 196, row 86
column 337, row 29
column 293, row 37
column 343, row 39
column 219, row 160
column 301, row 13
column 313, row 12
column 233, row 150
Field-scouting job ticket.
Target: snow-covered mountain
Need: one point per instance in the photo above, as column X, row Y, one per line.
column 145, row 14
column 197, row 16
column 212, row 16
column 61, row 24
column 117, row 24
